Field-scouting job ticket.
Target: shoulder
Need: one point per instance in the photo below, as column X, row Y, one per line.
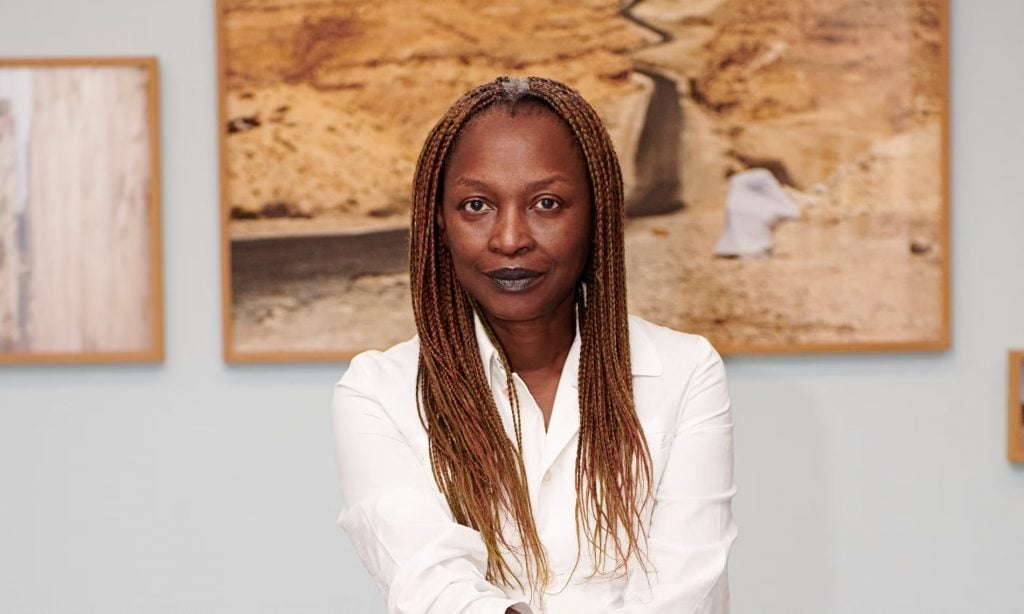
column 375, row 372
column 685, row 384
column 377, row 395
column 675, row 351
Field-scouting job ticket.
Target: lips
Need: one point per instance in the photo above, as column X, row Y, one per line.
column 513, row 279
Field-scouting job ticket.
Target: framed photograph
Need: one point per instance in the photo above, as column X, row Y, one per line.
column 785, row 161
column 80, row 268
column 1015, row 407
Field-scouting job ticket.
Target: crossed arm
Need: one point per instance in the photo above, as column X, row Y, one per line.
column 426, row 563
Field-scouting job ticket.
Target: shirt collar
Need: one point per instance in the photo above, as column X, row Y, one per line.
column 488, row 353
column 643, row 356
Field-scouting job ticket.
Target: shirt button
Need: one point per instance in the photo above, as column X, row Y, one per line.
column 547, row 478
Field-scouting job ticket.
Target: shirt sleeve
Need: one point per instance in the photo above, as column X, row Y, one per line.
column 692, row 527
column 400, row 524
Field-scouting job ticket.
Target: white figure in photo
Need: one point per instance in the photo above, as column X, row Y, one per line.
column 756, row 203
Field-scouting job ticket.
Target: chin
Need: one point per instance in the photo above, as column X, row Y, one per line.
column 510, row 310
column 518, row 307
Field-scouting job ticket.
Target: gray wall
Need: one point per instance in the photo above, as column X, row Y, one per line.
column 868, row 483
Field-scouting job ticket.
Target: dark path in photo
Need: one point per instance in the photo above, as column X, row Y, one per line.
column 657, row 165
column 258, row 263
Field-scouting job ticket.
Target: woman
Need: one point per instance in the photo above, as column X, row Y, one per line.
column 533, row 448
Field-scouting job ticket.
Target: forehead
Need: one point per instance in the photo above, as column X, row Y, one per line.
column 524, row 110
column 525, row 132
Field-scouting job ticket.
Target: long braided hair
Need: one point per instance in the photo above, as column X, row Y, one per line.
column 476, row 466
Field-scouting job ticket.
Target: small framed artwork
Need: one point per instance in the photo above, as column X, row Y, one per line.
column 80, row 264
column 785, row 164
column 1015, row 407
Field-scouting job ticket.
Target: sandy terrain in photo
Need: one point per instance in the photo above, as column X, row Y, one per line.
column 329, row 103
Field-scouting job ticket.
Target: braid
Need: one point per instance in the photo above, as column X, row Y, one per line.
column 477, row 468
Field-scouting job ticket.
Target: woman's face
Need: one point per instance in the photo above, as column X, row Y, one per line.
column 516, row 213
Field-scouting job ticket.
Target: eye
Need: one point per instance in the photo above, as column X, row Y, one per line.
column 474, row 205
column 547, row 204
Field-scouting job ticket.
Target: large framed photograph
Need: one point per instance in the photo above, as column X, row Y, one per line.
column 785, row 161
column 80, row 265
column 1015, row 407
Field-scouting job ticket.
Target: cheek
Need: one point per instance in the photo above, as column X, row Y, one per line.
column 583, row 242
column 459, row 238
column 453, row 232
column 583, row 254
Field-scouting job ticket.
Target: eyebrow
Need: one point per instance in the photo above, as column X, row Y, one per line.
column 533, row 185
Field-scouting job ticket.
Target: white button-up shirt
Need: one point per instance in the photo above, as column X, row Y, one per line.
column 426, row 563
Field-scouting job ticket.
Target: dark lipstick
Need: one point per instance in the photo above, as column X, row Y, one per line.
column 513, row 279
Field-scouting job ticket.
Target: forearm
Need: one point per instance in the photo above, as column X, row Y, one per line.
column 400, row 525
column 692, row 528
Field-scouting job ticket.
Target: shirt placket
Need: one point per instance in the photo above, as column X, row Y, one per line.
column 529, row 414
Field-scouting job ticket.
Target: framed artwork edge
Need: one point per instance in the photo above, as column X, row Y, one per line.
column 1015, row 408
column 148, row 62
column 938, row 345
column 156, row 353
column 23, row 358
column 863, row 348
column 326, row 356
column 227, row 337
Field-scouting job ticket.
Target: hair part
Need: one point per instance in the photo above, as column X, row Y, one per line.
column 476, row 466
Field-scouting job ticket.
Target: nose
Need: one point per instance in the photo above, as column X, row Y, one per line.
column 511, row 234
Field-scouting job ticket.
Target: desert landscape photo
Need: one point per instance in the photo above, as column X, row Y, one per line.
column 784, row 160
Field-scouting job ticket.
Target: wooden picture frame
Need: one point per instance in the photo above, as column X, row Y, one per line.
column 80, row 211
column 1015, row 407
column 840, row 113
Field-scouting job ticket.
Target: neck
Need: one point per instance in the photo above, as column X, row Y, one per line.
column 541, row 344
